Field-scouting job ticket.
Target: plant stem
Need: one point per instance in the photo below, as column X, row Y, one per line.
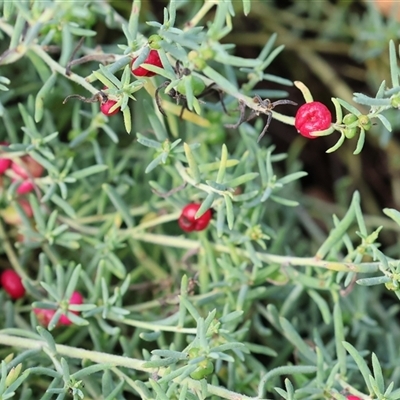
column 117, row 361
column 75, row 352
column 184, row 243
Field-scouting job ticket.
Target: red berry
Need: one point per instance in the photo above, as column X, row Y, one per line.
column 27, row 167
column 189, row 223
column 311, row 117
column 5, row 162
column 12, row 284
column 106, row 106
column 351, row 397
column 154, row 59
column 76, row 298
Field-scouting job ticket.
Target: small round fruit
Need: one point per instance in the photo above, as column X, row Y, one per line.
column 5, row 163
column 154, row 42
column 350, row 132
column 76, row 298
column 312, row 117
column 349, row 119
column 189, row 223
column 196, row 83
column 26, row 167
column 12, row 284
column 154, row 59
column 365, row 122
column 351, row 397
column 204, row 369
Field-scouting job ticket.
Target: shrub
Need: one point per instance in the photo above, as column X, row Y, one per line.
column 279, row 297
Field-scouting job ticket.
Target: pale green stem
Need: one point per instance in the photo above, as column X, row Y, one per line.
column 116, row 361
column 54, row 66
column 75, row 352
column 153, row 327
column 183, row 243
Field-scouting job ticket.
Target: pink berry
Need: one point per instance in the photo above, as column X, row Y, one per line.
column 5, row 162
column 12, row 284
column 351, row 397
column 25, row 186
column 154, row 59
column 311, row 117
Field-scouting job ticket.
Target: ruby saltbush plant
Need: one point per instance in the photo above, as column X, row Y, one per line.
column 117, row 302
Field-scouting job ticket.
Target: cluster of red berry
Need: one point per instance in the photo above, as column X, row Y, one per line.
column 12, row 284
column 310, row 117
column 154, row 59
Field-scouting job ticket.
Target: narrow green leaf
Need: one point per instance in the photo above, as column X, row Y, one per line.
column 285, row 202
column 56, row 199
column 394, row 70
column 126, row 112
column 294, row 338
column 246, row 6
column 322, row 305
column 193, row 166
column 362, row 365
column 148, row 142
column 285, row 370
column 189, row 306
column 73, row 280
column 292, row 177
column 222, row 166
column 393, row 214
column 385, row 122
column 83, row 173
column 119, row 204
column 379, row 280
column 360, row 142
column 338, row 232
column 378, row 375
column 339, row 338
column 349, row 107
column 240, row 180
column 230, row 216
column 40, row 97
column 46, row 335
column 207, row 203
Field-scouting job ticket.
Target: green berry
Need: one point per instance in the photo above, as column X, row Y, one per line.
column 350, row 132
column 350, row 119
column 364, row 122
column 196, row 83
column 204, row 369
